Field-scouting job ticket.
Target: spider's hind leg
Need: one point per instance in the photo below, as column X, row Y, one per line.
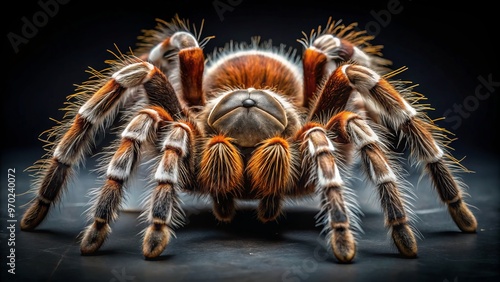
column 385, row 102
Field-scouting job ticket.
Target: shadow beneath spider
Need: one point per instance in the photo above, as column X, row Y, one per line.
column 58, row 233
column 105, row 252
column 385, row 254
column 445, row 234
column 245, row 224
column 163, row 257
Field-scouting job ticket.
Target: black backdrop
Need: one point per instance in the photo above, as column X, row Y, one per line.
column 449, row 50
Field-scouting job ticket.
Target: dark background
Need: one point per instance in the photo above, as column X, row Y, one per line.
column 446, row 48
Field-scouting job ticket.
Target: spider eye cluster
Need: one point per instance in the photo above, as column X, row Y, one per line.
column 249, row 116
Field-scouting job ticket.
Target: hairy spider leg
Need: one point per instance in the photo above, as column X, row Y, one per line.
column 169, row 126
column 322, row 171
column 140, row 131
column 69, row 150
column 382, row 172
column 423, row 138
column 340, row 212
column 352, row 129
column 383, row 100
column 173, row 174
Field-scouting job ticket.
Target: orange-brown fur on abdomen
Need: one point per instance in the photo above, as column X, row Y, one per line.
column 259, row 70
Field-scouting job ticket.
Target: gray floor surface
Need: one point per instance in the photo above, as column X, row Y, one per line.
column 246, row 250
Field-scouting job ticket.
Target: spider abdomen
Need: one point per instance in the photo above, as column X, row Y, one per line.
column 259, row 69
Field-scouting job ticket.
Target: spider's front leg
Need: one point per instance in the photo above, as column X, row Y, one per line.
column 174, row 172
column 321, row 169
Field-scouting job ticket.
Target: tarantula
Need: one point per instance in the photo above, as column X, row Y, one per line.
column 251, row 122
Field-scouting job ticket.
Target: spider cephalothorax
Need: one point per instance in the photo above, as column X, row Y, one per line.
column 255, row 122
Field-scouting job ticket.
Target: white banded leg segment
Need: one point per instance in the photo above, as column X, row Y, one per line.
column 342, row 50
column 379, row 170
column 104, row 104
column 382, row 99
column 321, row 151
column 165, row 212
column 178, row 138
column 366, row 140
column 101, row 108
column 326, row 175
column 379, row 96
column 94, row 114
column 141, row 129
column 171, row 172
column 135, row 74
column 166, row 51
